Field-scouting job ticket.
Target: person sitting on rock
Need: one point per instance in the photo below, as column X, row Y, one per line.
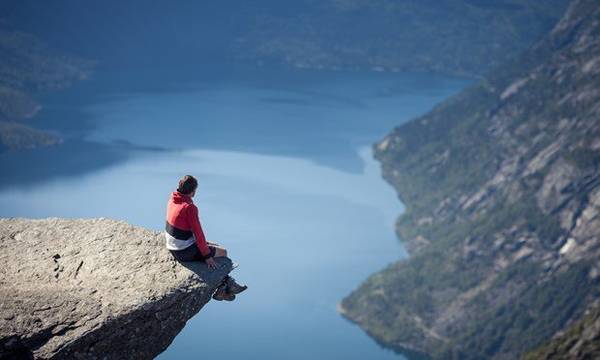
column 185, row 238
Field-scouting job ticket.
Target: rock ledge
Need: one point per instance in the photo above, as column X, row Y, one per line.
column 94, row 288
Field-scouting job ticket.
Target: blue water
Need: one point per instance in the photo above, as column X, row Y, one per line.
column 287, row 184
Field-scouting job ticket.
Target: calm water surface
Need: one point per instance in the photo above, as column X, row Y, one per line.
column 287, row 184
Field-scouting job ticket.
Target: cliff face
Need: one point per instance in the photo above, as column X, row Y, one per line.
column 502, row 190
column 94, row 288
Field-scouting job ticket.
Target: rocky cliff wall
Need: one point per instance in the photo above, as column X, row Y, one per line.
column 502, row 190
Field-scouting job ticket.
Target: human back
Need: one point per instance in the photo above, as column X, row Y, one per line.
column 185, row 238
column 182, row 227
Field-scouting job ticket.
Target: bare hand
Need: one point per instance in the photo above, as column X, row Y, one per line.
column 210, row 262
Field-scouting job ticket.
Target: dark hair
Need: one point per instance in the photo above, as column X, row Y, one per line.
column 187, row 184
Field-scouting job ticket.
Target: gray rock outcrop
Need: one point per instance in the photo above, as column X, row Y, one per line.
column 94, row 288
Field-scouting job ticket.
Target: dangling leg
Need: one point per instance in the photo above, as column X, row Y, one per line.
column 233, row 287
column 229, row 287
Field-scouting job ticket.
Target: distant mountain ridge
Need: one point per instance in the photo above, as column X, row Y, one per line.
column 502, row 191
column 27, row 66
column 459, row 37
column 466, row 37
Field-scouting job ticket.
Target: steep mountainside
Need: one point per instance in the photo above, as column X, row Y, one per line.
column 27, row 66
column 580, row 341
column 450, row 36
column 502, row 191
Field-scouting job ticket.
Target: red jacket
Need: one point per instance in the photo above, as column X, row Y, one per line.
column 182, row 220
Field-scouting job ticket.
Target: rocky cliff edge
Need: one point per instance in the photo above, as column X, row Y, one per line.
column 94, row 288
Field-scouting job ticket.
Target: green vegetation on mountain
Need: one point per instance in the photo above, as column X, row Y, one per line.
column 16, row 136
column 28, row 66
column 502, row 191
column 580, row 341
column 449, row 36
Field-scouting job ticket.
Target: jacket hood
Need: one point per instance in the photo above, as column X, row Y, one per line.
column 179, row 198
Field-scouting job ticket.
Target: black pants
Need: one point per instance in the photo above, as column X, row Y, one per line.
column 192, row 253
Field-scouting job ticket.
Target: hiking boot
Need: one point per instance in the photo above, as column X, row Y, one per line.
column 233, row 287
column 223, row 294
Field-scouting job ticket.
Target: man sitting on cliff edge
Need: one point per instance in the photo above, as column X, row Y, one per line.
column 185, row 238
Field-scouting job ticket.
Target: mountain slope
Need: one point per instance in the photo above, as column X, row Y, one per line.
column 502, row 190
column 28, row 66
column 580, row 341
column 450, row 36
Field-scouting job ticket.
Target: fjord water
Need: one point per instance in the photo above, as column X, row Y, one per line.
column 287, row 184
